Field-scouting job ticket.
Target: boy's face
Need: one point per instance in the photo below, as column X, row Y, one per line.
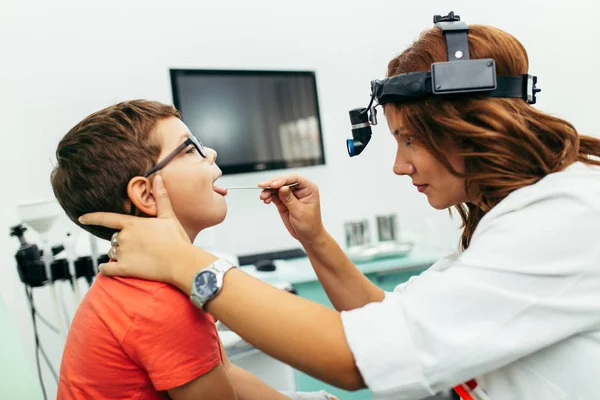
column 189, row 179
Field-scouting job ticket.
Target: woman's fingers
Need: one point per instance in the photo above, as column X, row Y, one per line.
column 281, row 180
column 109, row 220
column 163, row 203
column 111, row 269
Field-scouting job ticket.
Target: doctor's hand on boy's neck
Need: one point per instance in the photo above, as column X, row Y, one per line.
column 188, row 177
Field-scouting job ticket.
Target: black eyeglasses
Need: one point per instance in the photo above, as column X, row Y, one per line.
column 192, row 140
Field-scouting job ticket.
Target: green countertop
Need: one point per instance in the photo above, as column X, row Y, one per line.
column 299, row 270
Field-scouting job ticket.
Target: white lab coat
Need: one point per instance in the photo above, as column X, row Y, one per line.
column 519, row 309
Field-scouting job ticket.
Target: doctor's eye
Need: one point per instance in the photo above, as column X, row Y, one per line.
column 192, row 149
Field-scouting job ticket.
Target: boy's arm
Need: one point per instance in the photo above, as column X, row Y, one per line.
column 215, row 384
column 246, row 385
column 178, row 346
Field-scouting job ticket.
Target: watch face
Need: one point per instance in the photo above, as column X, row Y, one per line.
column 206, row 284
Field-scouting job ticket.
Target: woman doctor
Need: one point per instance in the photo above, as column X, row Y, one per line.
column 517, row 308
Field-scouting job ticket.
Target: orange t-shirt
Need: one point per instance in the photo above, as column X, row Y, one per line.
column 134, row 339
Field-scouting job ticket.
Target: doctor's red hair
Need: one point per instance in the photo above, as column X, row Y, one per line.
column 506, row 143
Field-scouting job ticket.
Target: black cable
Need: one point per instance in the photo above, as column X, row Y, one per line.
column 64, row 308
column 49, row 363
column 372, row 99
column 40, row 348
column 37, row 341
column 48, row 324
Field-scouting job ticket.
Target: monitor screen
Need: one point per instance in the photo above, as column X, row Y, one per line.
column 255, row 120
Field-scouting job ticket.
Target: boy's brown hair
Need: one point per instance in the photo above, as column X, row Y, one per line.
column 98, row 156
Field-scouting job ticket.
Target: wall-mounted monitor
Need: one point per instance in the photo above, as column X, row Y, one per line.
column 255, row 120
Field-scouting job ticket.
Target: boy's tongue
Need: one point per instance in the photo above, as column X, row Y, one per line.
column 220, row 190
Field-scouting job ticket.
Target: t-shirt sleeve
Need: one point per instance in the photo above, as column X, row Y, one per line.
column 172, row 340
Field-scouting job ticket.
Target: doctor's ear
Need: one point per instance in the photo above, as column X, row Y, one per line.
column 139, row 191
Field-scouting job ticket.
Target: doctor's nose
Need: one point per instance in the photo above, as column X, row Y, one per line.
column 403, row 168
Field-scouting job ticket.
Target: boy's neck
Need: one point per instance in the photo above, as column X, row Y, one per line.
column 192, row 233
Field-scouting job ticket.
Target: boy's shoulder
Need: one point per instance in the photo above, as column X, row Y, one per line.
column 134, row 289
column 136, row 305
column 128, row 289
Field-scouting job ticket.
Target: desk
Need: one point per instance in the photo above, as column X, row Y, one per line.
column 385, row 273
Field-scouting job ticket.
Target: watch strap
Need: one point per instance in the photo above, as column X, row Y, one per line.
column 219, row 268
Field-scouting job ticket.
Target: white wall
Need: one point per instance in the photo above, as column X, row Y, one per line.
column 61, row 60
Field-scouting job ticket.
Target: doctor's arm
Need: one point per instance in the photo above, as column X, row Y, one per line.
column 303, row 334
column 300, row 211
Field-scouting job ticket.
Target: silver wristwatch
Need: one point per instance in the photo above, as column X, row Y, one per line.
column 207, row 283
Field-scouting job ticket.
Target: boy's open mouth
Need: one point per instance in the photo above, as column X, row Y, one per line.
column 218, row 189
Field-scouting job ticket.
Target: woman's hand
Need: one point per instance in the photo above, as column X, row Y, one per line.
column 298, row 206
column 148, row 248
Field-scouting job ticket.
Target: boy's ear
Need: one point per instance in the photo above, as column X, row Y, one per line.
column 139, row 191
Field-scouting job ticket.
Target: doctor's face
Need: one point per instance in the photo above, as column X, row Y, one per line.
column 429, row 176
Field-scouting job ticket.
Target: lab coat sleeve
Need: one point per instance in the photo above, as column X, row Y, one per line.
column 440, row 265
column 529, row 280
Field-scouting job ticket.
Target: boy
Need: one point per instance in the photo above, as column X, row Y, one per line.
column 130, row 338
